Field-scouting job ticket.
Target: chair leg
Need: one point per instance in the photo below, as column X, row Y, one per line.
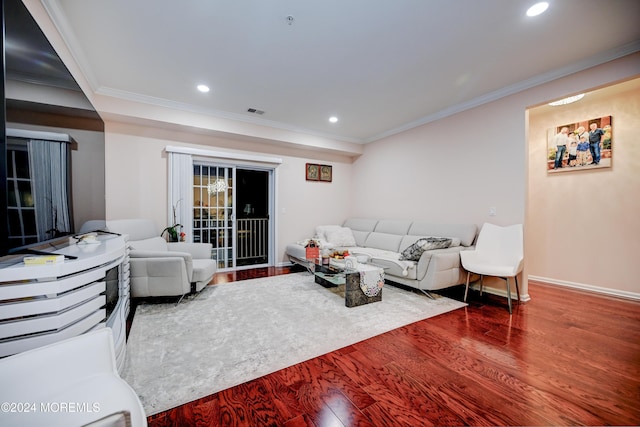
column 517, row 289
column 481, row 283
column 509, row 295
column 466, row 289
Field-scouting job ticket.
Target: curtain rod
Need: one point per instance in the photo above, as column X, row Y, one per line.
column 35, row 134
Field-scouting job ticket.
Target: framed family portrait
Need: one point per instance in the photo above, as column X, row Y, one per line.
column 313, row 172
column 583, row 145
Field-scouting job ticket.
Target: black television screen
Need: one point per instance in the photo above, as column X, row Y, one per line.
column 52, row 140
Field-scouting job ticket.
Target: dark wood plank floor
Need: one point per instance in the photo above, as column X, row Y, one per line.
column 565, row 358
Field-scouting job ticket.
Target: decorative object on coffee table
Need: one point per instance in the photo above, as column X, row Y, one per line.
column 312, row 249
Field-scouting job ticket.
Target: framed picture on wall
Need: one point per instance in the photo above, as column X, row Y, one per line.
column 326, row 173
column 583, row 145
column 313, row 172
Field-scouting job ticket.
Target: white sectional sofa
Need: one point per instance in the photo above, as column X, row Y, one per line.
column 383, row 241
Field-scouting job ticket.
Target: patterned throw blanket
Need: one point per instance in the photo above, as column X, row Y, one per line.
column 371, row 279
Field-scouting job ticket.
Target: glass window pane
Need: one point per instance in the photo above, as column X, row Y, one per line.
column 12, row 200
column 24, row 188
column 15, row 229
column 22, row 164
column 29, row 222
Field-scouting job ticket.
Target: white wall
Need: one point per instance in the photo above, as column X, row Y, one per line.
column 451, row 170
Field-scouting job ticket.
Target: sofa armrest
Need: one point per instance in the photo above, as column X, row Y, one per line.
column 197, row 250
column 150, row 262
column 158, row 254
column 438, row 259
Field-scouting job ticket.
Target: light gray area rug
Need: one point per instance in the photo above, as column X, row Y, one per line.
column 236, row 332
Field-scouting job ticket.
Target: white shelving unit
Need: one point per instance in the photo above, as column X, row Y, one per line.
column 43, row 304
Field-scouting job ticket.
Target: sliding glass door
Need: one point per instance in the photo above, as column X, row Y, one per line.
column 232, row 207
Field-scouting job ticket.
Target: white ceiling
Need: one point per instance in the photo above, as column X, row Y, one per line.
column 380, row 66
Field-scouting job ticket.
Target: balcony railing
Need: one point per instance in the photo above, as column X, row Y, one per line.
column 252, row 241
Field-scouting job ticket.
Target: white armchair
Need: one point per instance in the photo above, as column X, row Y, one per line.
column 159, row 268
column 74, row 382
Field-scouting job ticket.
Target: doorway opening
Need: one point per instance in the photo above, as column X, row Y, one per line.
column 252, row 233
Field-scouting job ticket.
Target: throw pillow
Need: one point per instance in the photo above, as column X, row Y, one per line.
column 414, row 252
column 341, row 237
column 322, row 230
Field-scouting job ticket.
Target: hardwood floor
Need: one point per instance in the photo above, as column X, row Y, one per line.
column 565, row 358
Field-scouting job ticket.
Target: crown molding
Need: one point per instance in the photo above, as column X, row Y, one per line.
column 60, row 22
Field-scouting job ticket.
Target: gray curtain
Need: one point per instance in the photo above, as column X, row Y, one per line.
column 48, row 163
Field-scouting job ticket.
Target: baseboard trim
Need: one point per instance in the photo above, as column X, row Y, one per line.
column 500, row 292
column 285, row 264
column 589, row 288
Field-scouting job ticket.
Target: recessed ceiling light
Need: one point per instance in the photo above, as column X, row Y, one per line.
column 567, row 100
column 203, row 88
column 537, row 8
column 333, row 119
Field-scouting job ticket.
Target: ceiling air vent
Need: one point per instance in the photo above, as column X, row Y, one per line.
column 255, row 111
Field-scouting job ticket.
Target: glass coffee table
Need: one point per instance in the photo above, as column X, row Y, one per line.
column 350, row 281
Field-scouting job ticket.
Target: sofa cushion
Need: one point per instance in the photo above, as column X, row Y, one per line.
column 341, row 237
column 414, row 251
column 152, row 244
column 393, row 226
column 361, row 224
column 360, row 227
column 388, row 242
column 465, row 232
column 360, row 236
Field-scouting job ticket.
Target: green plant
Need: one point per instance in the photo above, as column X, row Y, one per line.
column 173, row 231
